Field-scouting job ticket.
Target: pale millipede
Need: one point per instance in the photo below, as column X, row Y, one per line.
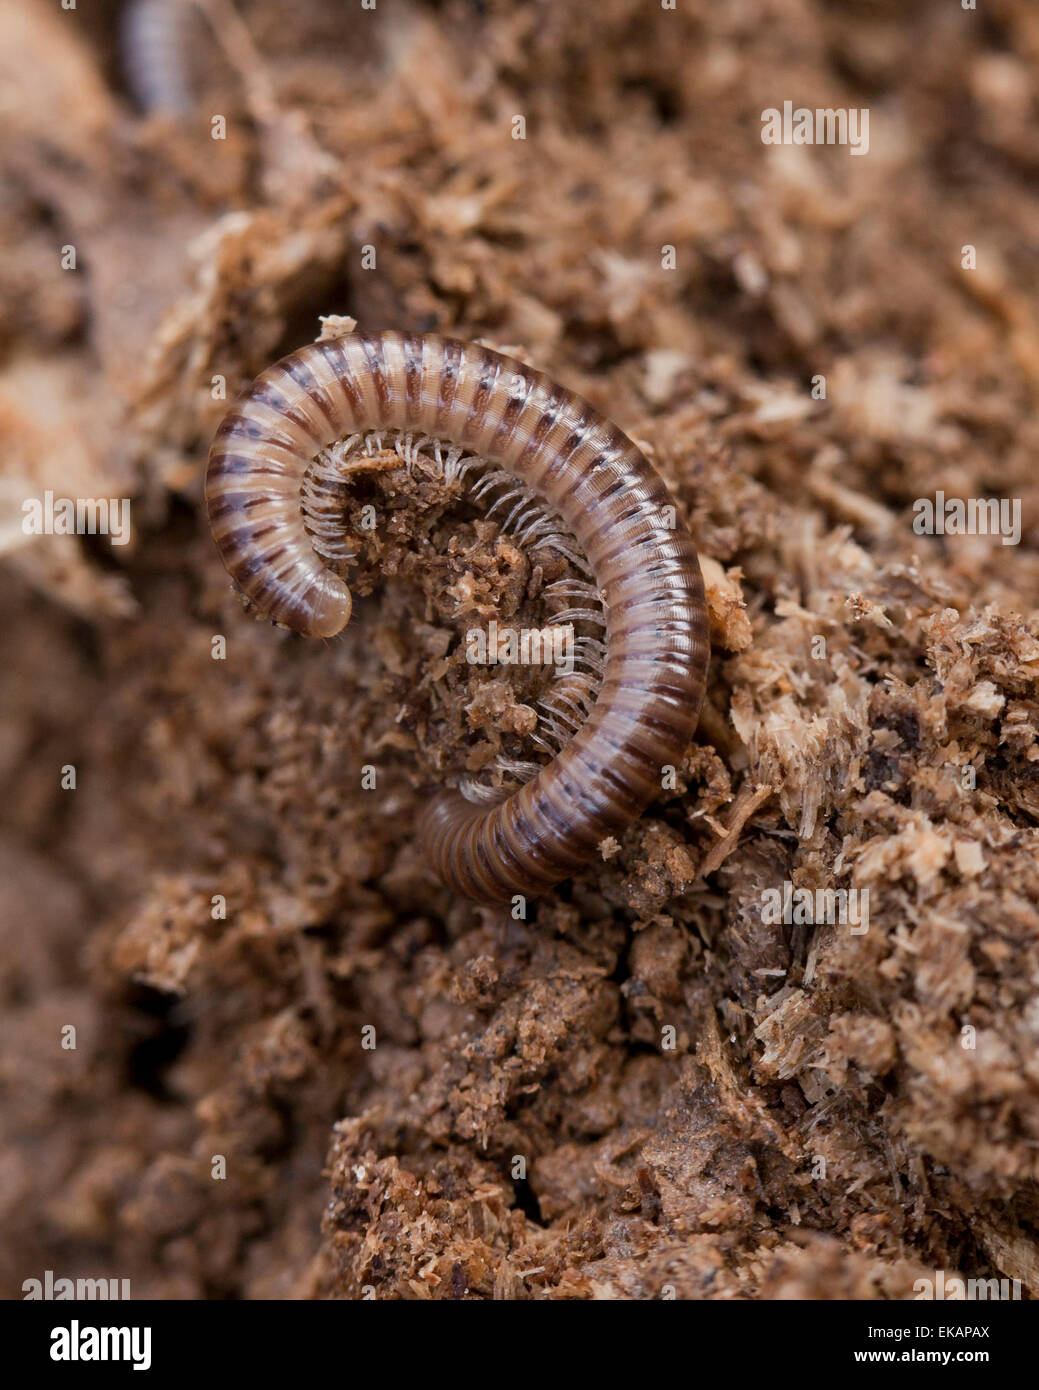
column 155, row 41
column 456, row 396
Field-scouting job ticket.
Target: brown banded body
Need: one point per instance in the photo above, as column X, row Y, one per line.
column 585, row 469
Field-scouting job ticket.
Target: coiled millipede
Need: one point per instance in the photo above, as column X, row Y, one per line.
column 562, row 455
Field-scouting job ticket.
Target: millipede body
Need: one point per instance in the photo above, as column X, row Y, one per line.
column 579, row 465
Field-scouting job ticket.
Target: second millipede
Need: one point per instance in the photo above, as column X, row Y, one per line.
column 582, row 467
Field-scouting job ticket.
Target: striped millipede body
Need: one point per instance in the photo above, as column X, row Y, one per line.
column 571, row 459
column 155, row 37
